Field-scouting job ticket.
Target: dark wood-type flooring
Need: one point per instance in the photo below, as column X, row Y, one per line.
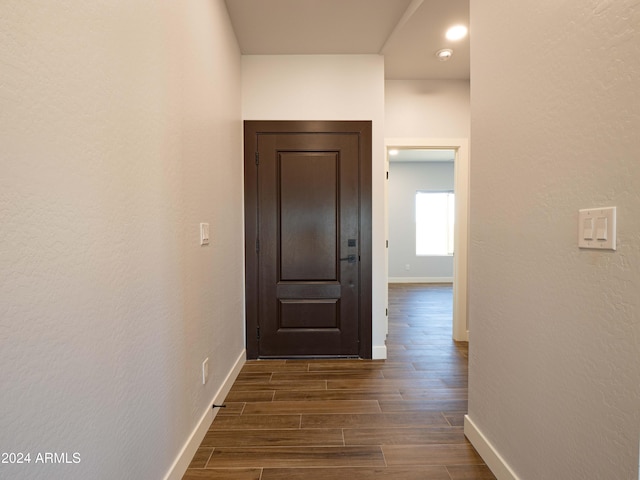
column 395, row 419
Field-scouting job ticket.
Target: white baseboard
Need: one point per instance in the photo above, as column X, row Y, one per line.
column 463, row 338
column 379, row 352
column 179, row 467
column 420, row 279
column 487, row 451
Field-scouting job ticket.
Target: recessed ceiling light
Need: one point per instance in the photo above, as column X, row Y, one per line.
column 457, row 32
column 444, row 54
column 393, row 152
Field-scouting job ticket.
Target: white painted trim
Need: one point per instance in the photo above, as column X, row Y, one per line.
column 179, row 467
column 379, row 352
column 461, row 241
column 420, row 279
column 487, row 451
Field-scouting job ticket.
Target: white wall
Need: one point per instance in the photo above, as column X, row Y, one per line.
column 120, row 131
column 427, row 108
column 405, row 179
column 555, row 331
column 328, row 87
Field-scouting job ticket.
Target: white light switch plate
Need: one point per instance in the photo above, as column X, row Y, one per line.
column 204, row 234
column 597, row 228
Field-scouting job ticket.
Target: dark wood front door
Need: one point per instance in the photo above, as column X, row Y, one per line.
column 308, row 238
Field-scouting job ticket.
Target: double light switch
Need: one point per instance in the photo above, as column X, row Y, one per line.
column 597, row 228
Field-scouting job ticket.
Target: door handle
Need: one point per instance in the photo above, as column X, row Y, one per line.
column 349, row 258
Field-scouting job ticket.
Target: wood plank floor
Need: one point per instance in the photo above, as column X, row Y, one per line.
column 395, row 419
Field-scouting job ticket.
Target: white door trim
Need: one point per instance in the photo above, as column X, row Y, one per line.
column 461, row 240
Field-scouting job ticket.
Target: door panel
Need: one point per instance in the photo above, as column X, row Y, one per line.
column 308, row 184
column 312, row 180
column 306, row 298
column 320, row 313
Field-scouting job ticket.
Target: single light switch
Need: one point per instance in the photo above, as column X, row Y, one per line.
column 597, row 228
column 204, row 234
column 587, row 228
column 601, row 228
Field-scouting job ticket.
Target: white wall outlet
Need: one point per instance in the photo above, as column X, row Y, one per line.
column 407, row 267
column 205, row 370
column 204, row 234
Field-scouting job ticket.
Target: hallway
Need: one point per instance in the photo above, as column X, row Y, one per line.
column 398, row 419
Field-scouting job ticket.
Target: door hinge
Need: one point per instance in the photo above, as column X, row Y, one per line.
column 387, row 175
column 387, row 243
column 257, row 244
column 386, row 312
column 257, row 158
column 258, row 332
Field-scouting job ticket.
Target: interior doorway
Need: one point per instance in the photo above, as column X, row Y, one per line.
column 458, row 149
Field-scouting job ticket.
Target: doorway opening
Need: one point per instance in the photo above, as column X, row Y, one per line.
column 448, row 163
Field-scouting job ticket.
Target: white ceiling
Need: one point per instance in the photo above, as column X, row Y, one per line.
column 406, row 32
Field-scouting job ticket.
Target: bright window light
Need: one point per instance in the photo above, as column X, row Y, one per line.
column 435, row 214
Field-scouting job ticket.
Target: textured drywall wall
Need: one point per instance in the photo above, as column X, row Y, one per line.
column 554, row 331
column 328, row 87
column 405, row 179
column 120, row 132
column 426, row 108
